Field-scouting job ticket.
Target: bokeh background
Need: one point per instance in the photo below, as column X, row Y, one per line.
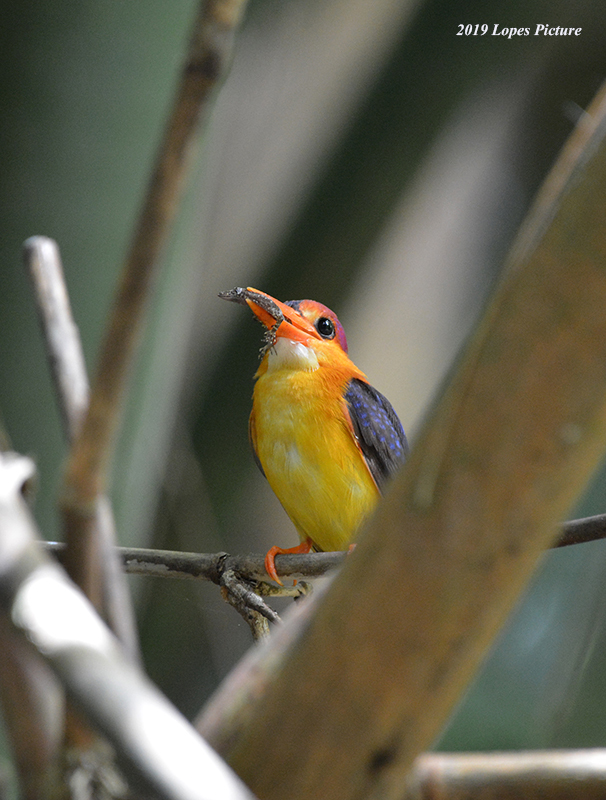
column 361, row 154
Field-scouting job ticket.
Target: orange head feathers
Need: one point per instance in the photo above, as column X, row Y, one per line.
column 324, row 438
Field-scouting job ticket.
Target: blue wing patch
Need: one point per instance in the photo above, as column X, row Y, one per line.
column 378, row 430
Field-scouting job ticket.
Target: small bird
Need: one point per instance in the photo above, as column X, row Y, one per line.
column 324, row 438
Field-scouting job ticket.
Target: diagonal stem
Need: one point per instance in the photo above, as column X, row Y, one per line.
column 68, row 369
column 87, row 471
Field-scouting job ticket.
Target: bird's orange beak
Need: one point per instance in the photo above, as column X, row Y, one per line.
column 281, row 320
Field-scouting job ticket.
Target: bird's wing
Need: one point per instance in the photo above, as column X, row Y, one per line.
column 252, row 438
column 377, row 429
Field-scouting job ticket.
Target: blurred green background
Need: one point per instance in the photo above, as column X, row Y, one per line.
column 361, row 154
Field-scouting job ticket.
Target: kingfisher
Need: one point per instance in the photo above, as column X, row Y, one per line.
column 324, row 438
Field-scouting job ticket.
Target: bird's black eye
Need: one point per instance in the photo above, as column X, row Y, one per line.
column 326, row 328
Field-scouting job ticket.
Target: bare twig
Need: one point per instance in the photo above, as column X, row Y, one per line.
column 242, row 578
column 245, row 596
column 578, row 531
column 250, row 606
column 553, row 774
column 68, row 369
column 211, row 566
column 156, row 746
column 61, row 336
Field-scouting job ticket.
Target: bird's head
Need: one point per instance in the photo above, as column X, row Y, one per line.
column 295, row 325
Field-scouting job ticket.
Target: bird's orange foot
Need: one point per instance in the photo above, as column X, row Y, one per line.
column 270, row 565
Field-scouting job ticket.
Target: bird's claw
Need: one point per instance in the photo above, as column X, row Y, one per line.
column 296, row 591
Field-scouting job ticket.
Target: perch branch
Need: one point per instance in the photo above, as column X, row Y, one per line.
column 68, row 369
column 241, row 578
column 205, row 65
column 211, row 566
column 157, row 748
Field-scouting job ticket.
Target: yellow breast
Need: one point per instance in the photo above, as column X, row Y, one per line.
column 304, row 443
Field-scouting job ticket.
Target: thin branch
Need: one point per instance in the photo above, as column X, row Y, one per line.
column 535, row 775
column 157, row 748
column 250, row 606
column 68, row 369
column 246, row 595
column 211, row 566
column 242, row 578
column 578, row 531
column 61, row 336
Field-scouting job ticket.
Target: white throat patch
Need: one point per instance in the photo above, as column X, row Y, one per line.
column 286, row 354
